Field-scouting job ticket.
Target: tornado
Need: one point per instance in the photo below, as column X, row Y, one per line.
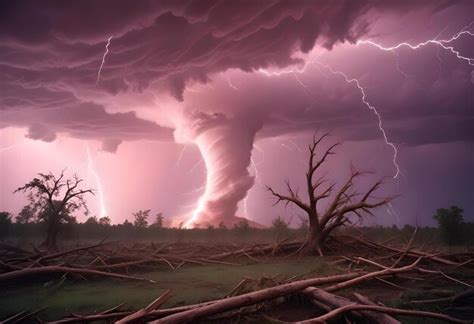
column 225, row 145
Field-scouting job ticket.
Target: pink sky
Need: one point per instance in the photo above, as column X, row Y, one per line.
column 219, row 100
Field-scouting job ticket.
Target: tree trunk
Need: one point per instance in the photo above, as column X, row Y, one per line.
column 314, row 241
column 51, row 235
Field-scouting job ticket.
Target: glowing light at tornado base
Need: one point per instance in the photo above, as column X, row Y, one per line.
column 91, row 169
column 103, row 60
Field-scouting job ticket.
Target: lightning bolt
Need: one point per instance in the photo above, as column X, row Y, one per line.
column 12, row 146
column 180, row 156
column 246, row 212
column 443, row 43
column 295, row 145
column 364, row 100
column 397, row 65
column 90, row 166
column 229, row 82
column 196, row 165
column 392, row 212
column 257, row 173
column 103, row 59
column 257, row 177
column 6, row 148
column 374, row 110
column 255, row 170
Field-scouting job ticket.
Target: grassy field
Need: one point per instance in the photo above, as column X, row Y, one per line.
column 189, row 285
column 196, row 283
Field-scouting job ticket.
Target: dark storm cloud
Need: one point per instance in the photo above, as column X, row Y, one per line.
column 40, row 132
column 111, row 145
column 50, row 51
column 431, row 102
column 82, row 120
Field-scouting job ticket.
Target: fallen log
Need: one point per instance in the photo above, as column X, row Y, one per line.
column 62, row 253
column 14, row 317
column 379, row 317
column 13, row 248
column 251, row 298
column 419, row 269
column 387, row 310
column 60, row 269
column 413, row 253
column 336, row 302
column 145, row 311
column 367, row 276
column 91, row 318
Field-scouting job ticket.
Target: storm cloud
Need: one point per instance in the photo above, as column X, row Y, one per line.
column 223, row 74
column 50, row 54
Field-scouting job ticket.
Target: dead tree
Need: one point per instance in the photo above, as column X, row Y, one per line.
column 342, row 203
column 55, row 199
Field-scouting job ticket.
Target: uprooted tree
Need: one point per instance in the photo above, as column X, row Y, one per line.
column 55, row 199
column 340, row 204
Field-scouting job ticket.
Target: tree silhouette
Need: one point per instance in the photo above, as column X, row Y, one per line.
column 451, row 224
column 55, row 198
column 26, row 215
column 92, row 220
column 141, row 218
column 279, row 226
column 5, row 223
column 159, row 221
column 340, row 205
column 104, row 221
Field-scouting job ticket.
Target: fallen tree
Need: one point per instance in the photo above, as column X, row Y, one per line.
column 95, row 260
column 16, row 274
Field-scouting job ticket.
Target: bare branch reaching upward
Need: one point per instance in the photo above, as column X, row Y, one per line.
column 344, row 202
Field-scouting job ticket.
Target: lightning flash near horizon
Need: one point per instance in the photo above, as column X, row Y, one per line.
column 90, row 167
column 103, row 60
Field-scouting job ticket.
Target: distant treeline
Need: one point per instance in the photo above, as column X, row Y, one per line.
column 91, row 230
column 241, row 233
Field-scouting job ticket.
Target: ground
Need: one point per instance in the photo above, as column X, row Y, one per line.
column 195, row 283
column 189, row 285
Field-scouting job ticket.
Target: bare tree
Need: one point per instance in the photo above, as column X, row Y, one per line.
column 55, row 198
column 340, row 204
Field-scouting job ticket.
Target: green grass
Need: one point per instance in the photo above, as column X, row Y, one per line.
column 189, row 285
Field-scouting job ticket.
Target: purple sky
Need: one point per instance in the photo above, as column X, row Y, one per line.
column 193, row 107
